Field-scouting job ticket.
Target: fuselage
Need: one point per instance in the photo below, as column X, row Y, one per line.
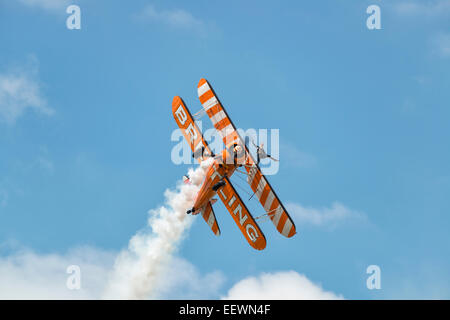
column 223, row 166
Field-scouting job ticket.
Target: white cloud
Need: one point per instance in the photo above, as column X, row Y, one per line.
column 19, row 91
column 425, row 278
column 292, row 156
column 45, row 163
column 421, row 80
column 48, row 5
column 329, row 217
column 27, row 275
column 442, row 45
column 428, row 9
column 182, row 280
column 285, row 285
column 432, row 12
column 176, row 18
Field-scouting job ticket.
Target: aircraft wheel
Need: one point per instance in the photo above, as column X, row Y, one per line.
column 218, row 185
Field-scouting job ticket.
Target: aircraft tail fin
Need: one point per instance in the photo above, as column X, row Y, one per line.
column 210, row 218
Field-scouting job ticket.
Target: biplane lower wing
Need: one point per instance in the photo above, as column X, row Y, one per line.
column 257, row 181
column 241, row 215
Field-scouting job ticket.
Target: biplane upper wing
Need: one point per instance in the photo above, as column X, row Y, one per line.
column 257, row 181
column 217, row 113
column 195, row 139
column 242, row 216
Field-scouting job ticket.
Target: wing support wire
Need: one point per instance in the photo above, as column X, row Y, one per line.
column 266, row 215
column 260, row 217
column 199, row 114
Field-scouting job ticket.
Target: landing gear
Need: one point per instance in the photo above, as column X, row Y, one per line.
column 190, row 211
column 218, row 185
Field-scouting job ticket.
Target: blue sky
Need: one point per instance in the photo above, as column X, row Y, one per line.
column 363, row 118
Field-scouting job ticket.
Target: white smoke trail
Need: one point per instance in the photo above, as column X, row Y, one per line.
column 139, row 270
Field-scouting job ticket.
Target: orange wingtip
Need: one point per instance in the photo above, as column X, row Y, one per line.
column 176, row 101
column 201, row 82
column 292, row 232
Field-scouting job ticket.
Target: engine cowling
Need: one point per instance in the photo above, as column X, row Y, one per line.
column 234, row 155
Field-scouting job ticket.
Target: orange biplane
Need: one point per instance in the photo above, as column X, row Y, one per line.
column 217, row 180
